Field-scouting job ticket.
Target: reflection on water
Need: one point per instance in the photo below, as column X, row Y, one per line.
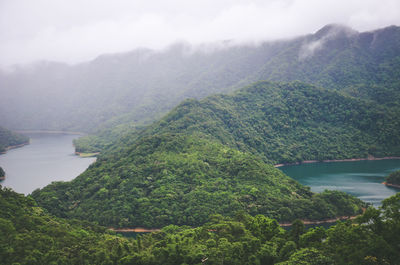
column 362, row 179
column 49, row 157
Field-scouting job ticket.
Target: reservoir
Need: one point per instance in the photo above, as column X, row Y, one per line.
column 48, row 158
column 362, row 179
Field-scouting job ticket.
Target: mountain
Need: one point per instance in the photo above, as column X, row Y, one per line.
column 286, row 123
column 214, row 152
column 140, row 86
column 10, row 139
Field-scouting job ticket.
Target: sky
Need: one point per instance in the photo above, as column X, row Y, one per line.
column 74, row 31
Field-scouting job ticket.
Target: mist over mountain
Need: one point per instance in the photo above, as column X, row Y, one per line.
column 140, row 86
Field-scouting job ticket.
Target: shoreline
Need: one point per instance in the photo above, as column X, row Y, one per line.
column 370, row 158
column 15, row 146
column 391, row 185
column 49, row 132
column 80, row 154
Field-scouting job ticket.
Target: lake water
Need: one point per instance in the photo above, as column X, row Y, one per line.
column 362, row 179
column 48, row 158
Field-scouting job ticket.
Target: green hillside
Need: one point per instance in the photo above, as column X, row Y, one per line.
column 213, row 152
column 31, row 236
column 9, row 138
column 28, row 235
column 183, row 180
column 289, row 122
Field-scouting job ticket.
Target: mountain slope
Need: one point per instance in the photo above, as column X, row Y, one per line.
column 213, row 152
column 178, row 179
column 140, row 86
column 288, row 122
column 31, row 236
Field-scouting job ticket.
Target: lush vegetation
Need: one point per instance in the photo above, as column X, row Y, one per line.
column 182, row 180
column 363, row 65
column 394, row 178
column 370, row 239
column 9, row 138
column 30, row 236
column 288, row 122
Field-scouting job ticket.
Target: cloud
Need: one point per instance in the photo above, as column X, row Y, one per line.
column 310, row 47
column 78, row 30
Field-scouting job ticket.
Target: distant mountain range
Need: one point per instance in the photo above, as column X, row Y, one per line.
column 140, row 86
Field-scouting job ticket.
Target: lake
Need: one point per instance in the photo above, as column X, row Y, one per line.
column 48, row 158
column 362, row 179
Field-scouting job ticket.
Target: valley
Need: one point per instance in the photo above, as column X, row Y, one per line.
column 208, row 150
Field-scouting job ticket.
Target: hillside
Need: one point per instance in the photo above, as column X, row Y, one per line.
column 31, row 236
column 138, row 87
column 183, row 180
column 287, row 122
column 9, row 139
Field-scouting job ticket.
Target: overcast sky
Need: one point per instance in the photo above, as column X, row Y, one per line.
column 78, row 30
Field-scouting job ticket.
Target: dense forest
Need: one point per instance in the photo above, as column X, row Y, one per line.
column 289, row 122
column 28, row 235
column 31, row 236
column 203, row 171
column 215, row 150
column 9, row 138
column 178, row 179
column 360, row 65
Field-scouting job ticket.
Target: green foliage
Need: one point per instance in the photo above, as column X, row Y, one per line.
column 182, row 180
column 30, row 236
column 394, row 178
column 9, row 138
column 289, row 122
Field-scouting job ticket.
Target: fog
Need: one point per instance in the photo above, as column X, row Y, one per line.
column 74, row 31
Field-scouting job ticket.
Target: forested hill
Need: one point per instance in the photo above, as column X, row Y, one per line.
column 31, row 236
column 140, row 86
column 288, row 122
column 28, row 235
column 177, row 179
column 9, row 138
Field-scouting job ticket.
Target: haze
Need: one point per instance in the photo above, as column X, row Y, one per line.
column 74, row 31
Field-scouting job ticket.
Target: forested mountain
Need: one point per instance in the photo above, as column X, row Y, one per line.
column 286, row 122
column 177, row 179
column 215, row 150
column 140, row 86
column 31, row 236
column 9, row 138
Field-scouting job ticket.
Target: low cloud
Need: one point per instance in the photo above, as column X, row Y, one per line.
column 73, row 31
column 309, row 48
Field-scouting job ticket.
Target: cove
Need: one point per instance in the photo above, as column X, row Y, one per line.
column 362, row 179
column 49, row 157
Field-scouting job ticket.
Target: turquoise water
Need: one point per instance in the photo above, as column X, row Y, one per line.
column 362, row 179
column 49, row 157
